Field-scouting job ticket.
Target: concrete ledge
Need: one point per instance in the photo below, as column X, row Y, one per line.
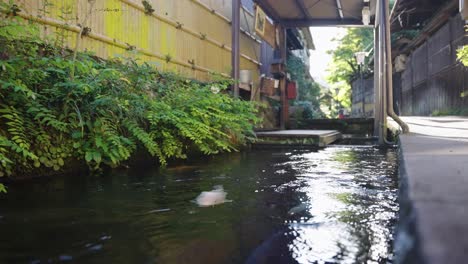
column 360, row 126
column 433, row 224
column 406, row 243
column 319, row 138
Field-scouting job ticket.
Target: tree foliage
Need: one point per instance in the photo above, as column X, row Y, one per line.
column 308, row 90
column 462, row 53
column 344, row 67
column 107, row 112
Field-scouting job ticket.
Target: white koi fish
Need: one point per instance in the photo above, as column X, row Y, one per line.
column 211, row 198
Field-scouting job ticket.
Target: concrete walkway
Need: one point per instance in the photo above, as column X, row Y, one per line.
column 434, row 175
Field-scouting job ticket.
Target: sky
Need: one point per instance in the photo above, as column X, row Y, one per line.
column 319, row 58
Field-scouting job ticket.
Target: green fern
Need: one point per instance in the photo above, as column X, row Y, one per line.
column 143, row 137
column 110, row 110
column 20, row 143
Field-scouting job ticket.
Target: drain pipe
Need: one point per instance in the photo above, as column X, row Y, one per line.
column 390, row 109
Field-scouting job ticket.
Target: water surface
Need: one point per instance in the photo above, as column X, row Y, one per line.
column 336, row 205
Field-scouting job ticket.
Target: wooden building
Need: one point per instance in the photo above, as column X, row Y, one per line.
column 190, row 37
column 429, row 79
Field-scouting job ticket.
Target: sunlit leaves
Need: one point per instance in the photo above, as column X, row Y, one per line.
column 344, row 68
column 309, row 90
column 110, row 111
column 462, row 55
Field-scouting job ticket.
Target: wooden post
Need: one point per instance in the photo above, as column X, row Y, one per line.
column 383, row 70
column 377, row 99
column 235, row 52
column 379, row 70
column 464, row 9
column 284, row 116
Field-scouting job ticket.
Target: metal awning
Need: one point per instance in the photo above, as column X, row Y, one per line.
column 308, row 13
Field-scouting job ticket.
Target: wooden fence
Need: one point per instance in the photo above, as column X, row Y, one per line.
column 434, row 79
column 192, row 37
column 362, row 97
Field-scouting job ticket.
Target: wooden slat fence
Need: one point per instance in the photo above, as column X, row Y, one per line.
column 192, row 37
column 434, row 80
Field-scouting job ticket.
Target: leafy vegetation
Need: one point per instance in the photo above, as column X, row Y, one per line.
column 451, row 112
column 462, row 53
column 309, row 90
column 344, row 67
column 148, row 8
column 55, row 109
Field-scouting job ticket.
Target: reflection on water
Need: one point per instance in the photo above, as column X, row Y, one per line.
column 337, row 205
column 352, row 198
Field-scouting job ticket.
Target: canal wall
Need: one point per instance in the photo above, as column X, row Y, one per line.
column 433, row 191
column 406, row 243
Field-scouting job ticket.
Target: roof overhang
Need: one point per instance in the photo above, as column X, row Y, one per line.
column 415, row 14
column 308, row 38
column 421, row 22
column 310, row 13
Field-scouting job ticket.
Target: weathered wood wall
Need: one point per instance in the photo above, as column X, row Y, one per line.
column 192, row 37
column 362, row 98
column 434, row 79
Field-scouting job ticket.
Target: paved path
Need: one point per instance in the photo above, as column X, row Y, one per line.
column 435, row 168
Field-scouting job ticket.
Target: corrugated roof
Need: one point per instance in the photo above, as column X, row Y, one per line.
column 306, row 13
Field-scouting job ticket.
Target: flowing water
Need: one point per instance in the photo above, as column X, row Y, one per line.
column 335, row 205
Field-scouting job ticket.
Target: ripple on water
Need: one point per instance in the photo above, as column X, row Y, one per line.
column 334, row 205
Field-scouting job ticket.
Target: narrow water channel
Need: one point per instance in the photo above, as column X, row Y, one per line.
column 335, row 205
